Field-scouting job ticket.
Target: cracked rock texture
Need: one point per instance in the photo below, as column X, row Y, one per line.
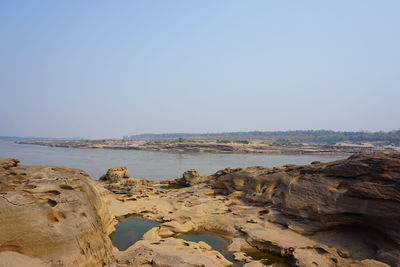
column 171, row 252
column 119, row 181
column 358, row 196
column 51, row 216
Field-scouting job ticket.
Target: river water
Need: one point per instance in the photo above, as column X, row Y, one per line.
column 145, row 164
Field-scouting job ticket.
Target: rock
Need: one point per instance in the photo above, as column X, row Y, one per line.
column 171, row 252
column 359, row 194
column 119, row 181
column 239, row 244
column 6, row 163
column 116, row 175
column 190, row 174
column 52, row 216
column 254, row 264
column 241, row 256
column 190, row 177
column 369, row 263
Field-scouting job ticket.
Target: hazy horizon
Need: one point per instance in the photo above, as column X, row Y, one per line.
column 99, row 69
column 187, row 133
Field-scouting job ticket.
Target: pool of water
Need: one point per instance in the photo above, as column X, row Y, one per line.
column 218, row 243
column 268, row 258
column 130, row 230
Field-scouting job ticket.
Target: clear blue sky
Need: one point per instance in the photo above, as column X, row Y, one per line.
column 112, row 68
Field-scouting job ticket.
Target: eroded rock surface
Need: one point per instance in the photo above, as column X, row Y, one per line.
column 171, row 252
column 342, row 213
column 51, row 216
column 360, row 194
column 118, row 180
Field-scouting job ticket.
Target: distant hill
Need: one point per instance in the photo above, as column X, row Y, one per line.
column 17, row 138
column 314, row 136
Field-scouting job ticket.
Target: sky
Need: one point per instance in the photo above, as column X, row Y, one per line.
column 100, row 69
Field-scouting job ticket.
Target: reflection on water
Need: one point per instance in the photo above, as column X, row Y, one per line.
column 130, row 230
column 145, row 164
column 218, row 243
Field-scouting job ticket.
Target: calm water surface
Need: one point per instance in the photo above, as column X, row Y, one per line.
column 130, row 230
column 145, row 164
column 216, row 242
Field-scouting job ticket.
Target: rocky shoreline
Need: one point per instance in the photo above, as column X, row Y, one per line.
column 216, row 147
column 341, row 213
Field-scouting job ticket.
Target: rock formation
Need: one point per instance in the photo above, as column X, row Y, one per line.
column 342, row 213
column 190, row 177
column 360, row 195
column 119, row 181
column 51, row 216
column 171, row 252
column 116, row 175
column 215, row 147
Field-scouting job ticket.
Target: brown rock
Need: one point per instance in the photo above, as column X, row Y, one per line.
column 51, row 216
column 171, row 252
column 361, row 192
column 118, row 180
column 116, row 174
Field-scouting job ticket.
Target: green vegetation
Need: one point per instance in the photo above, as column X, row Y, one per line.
column 223, row 141
column 280, row 137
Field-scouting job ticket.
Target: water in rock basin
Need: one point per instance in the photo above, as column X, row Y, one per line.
column 145, row 164
column 218, row 243
column 130, row 230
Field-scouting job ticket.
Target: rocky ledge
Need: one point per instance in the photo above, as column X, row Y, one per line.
column 216, row 147
column 52, row 216
column 342, row 213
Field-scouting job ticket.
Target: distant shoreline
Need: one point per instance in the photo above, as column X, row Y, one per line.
column 252, row 147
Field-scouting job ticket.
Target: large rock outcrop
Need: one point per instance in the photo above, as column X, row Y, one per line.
column 119, row 181
column 51, row 216
column 360, row 194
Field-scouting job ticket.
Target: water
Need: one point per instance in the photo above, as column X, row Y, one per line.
column 145, row 164
column 218, row 243
column 130, row 230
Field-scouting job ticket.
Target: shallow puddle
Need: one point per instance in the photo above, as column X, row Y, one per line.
column 218, row 243
column 267, row 258
column 130, row 230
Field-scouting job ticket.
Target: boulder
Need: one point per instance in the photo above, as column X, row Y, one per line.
column 190, row 177
column 118, row 180
column 52, row 216
column 116, row 175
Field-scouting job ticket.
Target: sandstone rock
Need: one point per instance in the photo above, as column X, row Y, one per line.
column 254, row 264
column 116, row 174
column 119, row 181
column 6, row 163
column 171, row 252
column 190, row 177
column 361, row 192
column 51, row 216
column 241, row 256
